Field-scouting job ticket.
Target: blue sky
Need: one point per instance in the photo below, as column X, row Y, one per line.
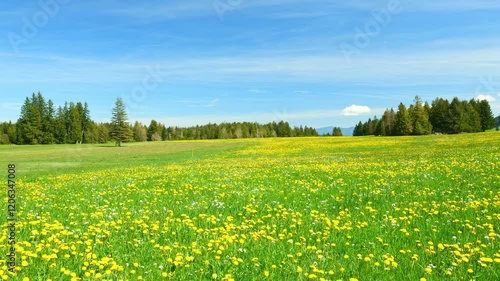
column 316, row 63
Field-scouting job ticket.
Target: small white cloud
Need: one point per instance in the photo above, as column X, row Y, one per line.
column 355, row 110
column 486, row 98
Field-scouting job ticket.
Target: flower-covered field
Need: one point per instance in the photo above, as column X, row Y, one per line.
column 408, row 208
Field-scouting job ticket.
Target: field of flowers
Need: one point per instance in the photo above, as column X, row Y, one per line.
column 408, row 208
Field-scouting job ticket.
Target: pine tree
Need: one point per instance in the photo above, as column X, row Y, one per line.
column 358, row 129
column 455, row 116
column 471, row 121
column 48, row 124
column 337, row 132
column 103, row 133
column 402, row 122
column 387, row 123
column 439, row 116
column 369, row 128
column 60, row 132
column 120, row 131
column 86, row 130
column 140, row 132
column 12, row 132
column 155, row 131
column 29, row 124
column 420, row 119
column 75, row 124
column 485, row 114
column 92, row 132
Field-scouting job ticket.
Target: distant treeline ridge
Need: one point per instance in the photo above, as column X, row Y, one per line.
column 40, row 122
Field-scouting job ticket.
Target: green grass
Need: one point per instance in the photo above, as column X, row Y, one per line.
column 278, row 209
column 38, row 160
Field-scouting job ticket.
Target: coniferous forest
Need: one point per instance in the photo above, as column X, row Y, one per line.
column 40, row 122
column 441, row 117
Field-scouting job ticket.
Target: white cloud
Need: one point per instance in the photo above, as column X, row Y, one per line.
column 355, row 110
column 486, row 98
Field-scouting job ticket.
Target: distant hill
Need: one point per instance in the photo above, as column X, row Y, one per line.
column 326, row 130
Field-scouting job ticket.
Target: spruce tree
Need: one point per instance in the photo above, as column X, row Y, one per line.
column 120, row 130
column 471, row 121
column 439, row 116
column 337, row 132
column 402, row 122
column 387, row 122
column 74, row 124
column 140, row 132
column 486, row 116
column 455, row 116
column 420, row 119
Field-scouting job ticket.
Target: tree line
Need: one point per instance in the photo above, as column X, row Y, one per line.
column 157, row 131
column 41, row 122
column 441, row 117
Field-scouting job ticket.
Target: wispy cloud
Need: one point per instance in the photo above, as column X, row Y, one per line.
column 199, row 103
column 422, row 67
column 428, row 5
column 164, row 10
column 264, row 55
column 257, row 91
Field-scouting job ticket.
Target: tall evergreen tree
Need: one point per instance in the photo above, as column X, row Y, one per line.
column 485, row 114
column 92, row 133
column 337, row 132
column 140, row 132
column 358, row 129
column 439, row 115
column 12, row 132
column 60, row 132
column 420, row 119
column 402, row 121
column 455, row 116
column 75, row 124
column 471, row 121
column 155, row 131
column 103, row 133
column 48, row 123
column 120, row 131
column 29, row 124
column 387, row 122
column 85, row 112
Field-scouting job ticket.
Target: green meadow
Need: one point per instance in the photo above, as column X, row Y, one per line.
column 338, row 208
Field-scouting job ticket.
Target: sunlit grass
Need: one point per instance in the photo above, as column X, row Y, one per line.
column 278, row 209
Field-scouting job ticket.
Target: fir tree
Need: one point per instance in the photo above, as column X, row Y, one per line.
column 420, row 119
column 402, row 122
column 120, row 131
